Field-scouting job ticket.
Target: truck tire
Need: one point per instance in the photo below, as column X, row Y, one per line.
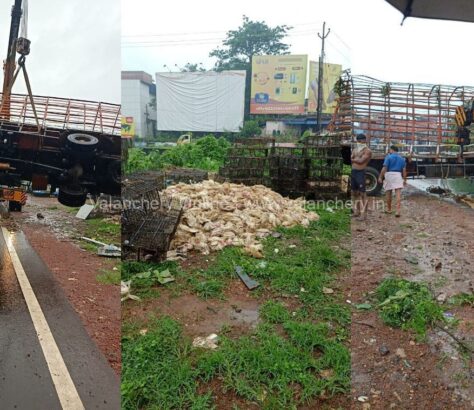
column 82, row 142
column 14, row 206
column 72, row 196
column 371, row 181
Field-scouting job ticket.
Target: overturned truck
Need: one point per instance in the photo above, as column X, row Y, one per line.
column 73, row 145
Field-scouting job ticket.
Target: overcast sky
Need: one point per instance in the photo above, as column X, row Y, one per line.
column 75, row 48
column 366, row 36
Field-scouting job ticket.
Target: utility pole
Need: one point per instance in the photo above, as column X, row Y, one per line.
column 320, row 76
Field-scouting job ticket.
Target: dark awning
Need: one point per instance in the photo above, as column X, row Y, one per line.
column 460, row 10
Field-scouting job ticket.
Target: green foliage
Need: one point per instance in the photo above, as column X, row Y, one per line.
column 250, row 129
column 158, row 371
column 138, row 160
column 251, row 38
column 408, row 305
column 206, row 153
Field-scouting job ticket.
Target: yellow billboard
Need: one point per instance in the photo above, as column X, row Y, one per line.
column 278, row 84
column 331, row 73
column 128, row 127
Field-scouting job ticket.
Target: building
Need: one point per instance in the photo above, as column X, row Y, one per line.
column 139, row 101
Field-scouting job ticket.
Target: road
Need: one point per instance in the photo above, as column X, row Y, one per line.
column 47, row 359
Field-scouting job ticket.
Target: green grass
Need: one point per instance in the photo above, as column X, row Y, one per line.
column 408, row 305
column 103, row 231
column 159, row 371
column 462, row 299
column 278, row 365
column 109, row 277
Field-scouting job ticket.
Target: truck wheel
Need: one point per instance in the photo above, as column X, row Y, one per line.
column 14, row 206
column 371, row 181
column 73, row 196
column 82, row 142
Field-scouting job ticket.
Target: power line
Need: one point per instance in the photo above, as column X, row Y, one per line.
column 188, row 42
column 202, row 32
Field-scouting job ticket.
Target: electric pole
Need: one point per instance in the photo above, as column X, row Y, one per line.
column 320, row 76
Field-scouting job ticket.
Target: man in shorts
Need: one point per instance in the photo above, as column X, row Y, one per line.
column 394, row 177
column 360, row 158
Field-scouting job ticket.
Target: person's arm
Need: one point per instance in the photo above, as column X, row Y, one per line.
column 384, row 170
column 382, row 174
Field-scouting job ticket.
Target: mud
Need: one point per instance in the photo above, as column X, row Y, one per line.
column 237, row 314
column 431, row 242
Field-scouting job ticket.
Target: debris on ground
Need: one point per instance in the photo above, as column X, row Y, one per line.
column 219, row 215
column 125, row 289
column 105, row 249
column 84, row 211
column 209, row 342
column 250, row 283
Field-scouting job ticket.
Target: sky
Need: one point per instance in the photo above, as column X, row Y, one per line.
column 366, row 36
column 75, row 48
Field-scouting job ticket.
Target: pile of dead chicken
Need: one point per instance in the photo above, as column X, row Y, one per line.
column 219, row 215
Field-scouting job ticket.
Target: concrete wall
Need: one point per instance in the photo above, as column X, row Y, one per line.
column 135, row 103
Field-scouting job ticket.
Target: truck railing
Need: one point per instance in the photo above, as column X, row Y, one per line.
column 399, row 113
column 59, row 114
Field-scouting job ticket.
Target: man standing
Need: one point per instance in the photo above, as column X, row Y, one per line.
column 395, row 173
column 360, row 158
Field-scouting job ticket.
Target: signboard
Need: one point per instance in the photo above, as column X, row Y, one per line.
column 331, row 73
column 128, row 127
column 278, row 84
column 206, row 101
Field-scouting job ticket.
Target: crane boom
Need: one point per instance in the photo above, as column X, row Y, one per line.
column 9, row 66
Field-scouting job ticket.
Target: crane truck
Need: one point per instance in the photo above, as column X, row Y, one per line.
column 53, row 143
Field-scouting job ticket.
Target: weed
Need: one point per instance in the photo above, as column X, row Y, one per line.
column 408, row 305
column 274, row 312
column 209, row 288
column 109, row 277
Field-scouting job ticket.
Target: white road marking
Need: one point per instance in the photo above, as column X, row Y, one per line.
column 65, row 388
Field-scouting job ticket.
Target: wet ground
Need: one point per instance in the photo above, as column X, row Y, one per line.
column 431, row 242
column 53, row 233
column 25, row 378
column 238, row 313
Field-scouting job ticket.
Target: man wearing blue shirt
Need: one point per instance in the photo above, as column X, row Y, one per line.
column 394, row 177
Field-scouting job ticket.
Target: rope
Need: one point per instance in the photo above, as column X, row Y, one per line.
column 30, row 94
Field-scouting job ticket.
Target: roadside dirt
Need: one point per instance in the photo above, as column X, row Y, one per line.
column 431, row 242
column 238, row 313
column 52, row 230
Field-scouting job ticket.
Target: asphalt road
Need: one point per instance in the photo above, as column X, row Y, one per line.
column 26, row 380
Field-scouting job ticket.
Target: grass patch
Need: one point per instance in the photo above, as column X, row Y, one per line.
column 279, row 372
column 103, row 231
column 407, row 305
column 158, row 371
column 462, row 299
column 274, row 312
column 109, row 277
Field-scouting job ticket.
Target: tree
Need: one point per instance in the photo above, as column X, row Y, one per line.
column 251, row 38
column 192, row 68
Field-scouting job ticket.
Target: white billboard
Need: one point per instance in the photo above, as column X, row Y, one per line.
column 200, row 101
